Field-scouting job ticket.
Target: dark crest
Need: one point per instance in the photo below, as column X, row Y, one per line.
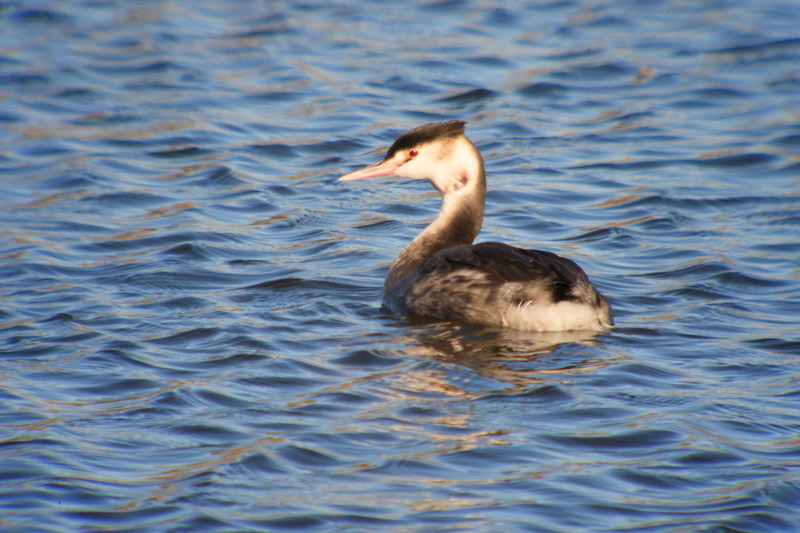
column 426, row 133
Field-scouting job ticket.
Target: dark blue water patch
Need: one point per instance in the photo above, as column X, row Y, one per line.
column 25, row 349
column 135, row 66
column 242, row 359
column 201, row 521
column 693, row 103
column 696, row 204
column 69, row 226
column 501, row 18
column 332, row 147
column 543, row 394
column 762, row 517
column 700, row 291
column 104, row 119
column 279, row 97
column 126, row 199
column 217, row 176
column 380, row 225
column 408, row 467
column 785, row 492
column 403, row 85
column 190, row 336
column 259, row 464
column 361, row 516
column 470, row 96
column 72, row 179
column 516, row 130
column 76, row 93
column 737, row 280
column 277, row 151
column 306, row 458
column 299, row 284
column 131, row 285
column 473, row 459
column 23, row 81
column 760, row 48
column 112, row 387
column 122, row 354
column 146, row 517
column 168, row 402
column 326, row 163
column 444, row 5
column 736, row 160
column 628, row 165
column 62, row 318
column 38, row 16
column 611, row 22
column 206, row 433
column 74, row 492
column 655, row 480
column 366, row 359
column 787, row 85
column 76, row 338
column 188, row 251
column 615, row 238
column 339, row 442
column 264, row 30
column 719, row 93
column 281, row 522
column 543, row 90
column 6, row 315
column 342, row 398
column 673, row 223
column 281, row 190
column 10, row 117
column 189, row 140
column 790, row 141
column 783, row 346
column 179, row 153
column 646, row 371
column 564, row 56
column 644, row 440
column 602, row 71
column 184, row 303
column 287, row 383
column 41, row 149
column 150, row 243
column 708, row 458
column 791, row 170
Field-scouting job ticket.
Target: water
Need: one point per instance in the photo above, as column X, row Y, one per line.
column 191, row 333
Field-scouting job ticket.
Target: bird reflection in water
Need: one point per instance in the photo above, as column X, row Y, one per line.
column 517, row 359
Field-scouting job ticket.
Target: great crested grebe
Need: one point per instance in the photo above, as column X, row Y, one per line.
column 442, row 275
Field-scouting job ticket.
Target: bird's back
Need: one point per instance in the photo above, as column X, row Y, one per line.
column 496, row 284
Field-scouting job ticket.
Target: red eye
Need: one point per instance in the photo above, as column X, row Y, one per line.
column 413, row 153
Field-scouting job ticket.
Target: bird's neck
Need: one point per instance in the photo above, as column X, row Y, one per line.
column 459, row 222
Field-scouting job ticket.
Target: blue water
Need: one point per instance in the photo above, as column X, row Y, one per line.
column 191, row 336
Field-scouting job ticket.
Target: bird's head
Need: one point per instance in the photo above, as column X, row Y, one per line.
column 439, row 153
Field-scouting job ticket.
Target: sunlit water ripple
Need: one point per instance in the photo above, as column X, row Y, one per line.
column 191, row 335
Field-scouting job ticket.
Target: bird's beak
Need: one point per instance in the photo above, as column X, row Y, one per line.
column 380, row 169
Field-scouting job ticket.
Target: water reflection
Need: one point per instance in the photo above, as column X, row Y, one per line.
column 517, row 359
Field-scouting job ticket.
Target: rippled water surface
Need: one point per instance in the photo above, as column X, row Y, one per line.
column 191, row 336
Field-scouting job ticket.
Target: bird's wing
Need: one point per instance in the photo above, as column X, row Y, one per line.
column 494, row 283
column 500, row 263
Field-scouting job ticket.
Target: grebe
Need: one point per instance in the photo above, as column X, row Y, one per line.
column 442, row 275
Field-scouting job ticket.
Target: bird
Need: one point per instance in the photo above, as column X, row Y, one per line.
column 442, row 275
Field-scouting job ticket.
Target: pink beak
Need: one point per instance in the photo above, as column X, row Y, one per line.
column 379, row 169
